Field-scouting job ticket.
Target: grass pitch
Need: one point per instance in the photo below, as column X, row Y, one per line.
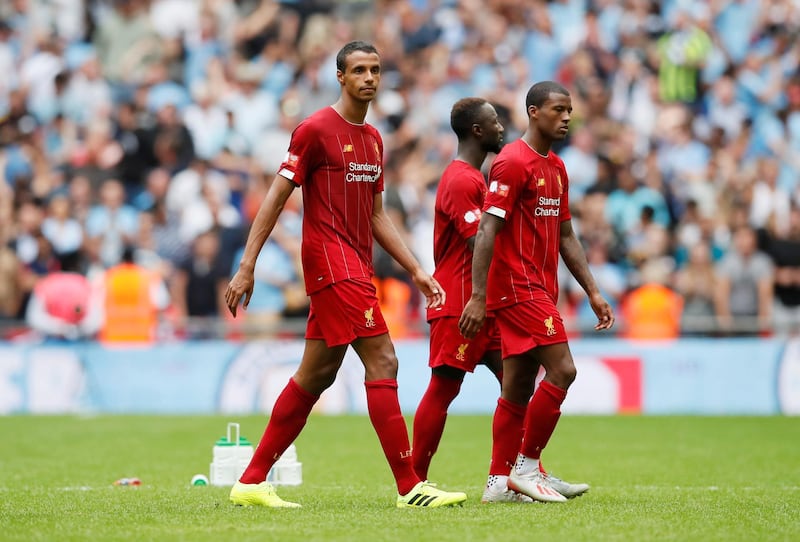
column 653, row 478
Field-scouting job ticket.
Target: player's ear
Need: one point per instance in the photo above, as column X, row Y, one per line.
column 340, row 77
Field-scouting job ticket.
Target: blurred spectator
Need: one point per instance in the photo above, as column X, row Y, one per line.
column 186, row 187
column 98, row 156
column 209, row 208
column 624, row 205
column 633, row 88
column 783, row 247
column 696, row 282
column 647, row 240
column 156, row 185
column 127, row 44
column 40, row 263
column 30, row 215
column 682, row 53
column 581, row 161
column 770, row 202
column 276, row 275
column 652, row 310
column 42, row 78
column 280, row 289
column 65, row 305
column 10, row 294
column 7, row 67
column 272, row 146
column 159, row 245
column 136, row 157
column 200, row 280
column 111, row 224
column 590, row 223
column 169, row 140
column 394, row 289
column 133, row 298
column 610, row 278
column 33, row 251
column 64, row 232
column 682, row 160
column 254, row 110
column 81, row 198
column 744, row 289
column 207, row 122
column 87, row 95
column 724, row 110
column 202, row 47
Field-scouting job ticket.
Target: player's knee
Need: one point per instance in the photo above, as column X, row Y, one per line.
column 516, row 391
column 317, row 381
column 571, row 374
column 382, row 365
column 564, row 375
column 326, row 376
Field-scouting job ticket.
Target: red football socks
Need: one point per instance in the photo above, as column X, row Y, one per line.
column 430, row 419
column 544, row 410
column 288, row 417
column 507, row 430
column 386, row 418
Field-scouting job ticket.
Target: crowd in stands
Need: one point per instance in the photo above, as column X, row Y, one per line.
column 138, row 137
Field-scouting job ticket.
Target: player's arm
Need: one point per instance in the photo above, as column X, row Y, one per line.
column 474, row 312
column 575, row 259
column 243, row 281
column 388, row 237
column 462, row 204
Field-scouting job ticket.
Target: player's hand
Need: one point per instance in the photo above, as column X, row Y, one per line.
column 434, row 293
column 603, row 311
column 472, row 317
column 241, row 285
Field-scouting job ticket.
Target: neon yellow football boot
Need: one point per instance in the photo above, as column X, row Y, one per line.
column 262, row 494
column 426, row 495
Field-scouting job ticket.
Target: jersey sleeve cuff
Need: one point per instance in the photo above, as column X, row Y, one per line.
column 497, row 211
column 288, row 175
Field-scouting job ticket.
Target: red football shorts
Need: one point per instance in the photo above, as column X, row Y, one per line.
column 529, row 324
column 449, row 347
column 343, row 311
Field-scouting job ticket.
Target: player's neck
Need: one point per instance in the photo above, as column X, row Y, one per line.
column 352, row 111
column 472, row 156
column 537, row 144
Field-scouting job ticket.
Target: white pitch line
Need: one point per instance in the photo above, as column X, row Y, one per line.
column 703, row 488
column 594, row 488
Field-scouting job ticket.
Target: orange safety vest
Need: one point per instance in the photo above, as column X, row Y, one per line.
column 394, row 297
column 130, row 315
column 652, row 311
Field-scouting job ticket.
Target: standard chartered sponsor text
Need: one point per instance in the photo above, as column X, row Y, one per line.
column 543, row 201
column 548, row 207
column 359, row 172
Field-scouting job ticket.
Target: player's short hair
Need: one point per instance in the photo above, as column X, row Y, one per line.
column 540, row 93
column 464, row 114
column 350, row 48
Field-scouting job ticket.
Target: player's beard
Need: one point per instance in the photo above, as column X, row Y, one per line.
column 494, row 147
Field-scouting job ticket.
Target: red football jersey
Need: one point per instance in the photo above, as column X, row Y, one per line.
column 528, row 191
column 459, row 200
column 340, row 168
